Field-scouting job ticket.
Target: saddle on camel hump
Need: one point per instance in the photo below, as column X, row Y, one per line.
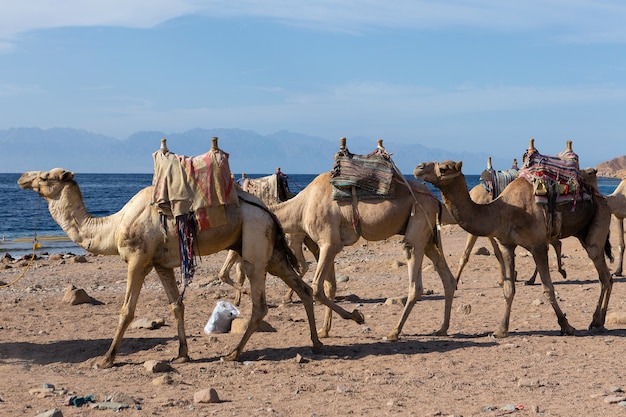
column 195, row 191
column 362, row 176
column 494, row 181
column 555, row 179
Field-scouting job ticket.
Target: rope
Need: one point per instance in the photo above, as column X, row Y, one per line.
column 36, row 245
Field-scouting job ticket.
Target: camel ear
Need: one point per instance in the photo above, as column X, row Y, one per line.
column 459, row 165
column 67, row 176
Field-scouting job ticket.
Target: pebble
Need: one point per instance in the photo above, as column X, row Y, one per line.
column 207, row 395
column 56, row 412
column 157, row 366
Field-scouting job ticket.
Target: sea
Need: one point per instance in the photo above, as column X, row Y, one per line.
column 25, row 219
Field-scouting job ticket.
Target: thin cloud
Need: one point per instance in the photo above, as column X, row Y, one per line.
column 567, row 20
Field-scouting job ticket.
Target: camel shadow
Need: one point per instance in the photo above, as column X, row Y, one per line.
column 74, row 351
column 361, row 350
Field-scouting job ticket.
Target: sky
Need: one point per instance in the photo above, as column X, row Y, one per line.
column 459, row 75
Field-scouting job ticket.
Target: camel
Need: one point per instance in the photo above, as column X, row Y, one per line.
column 515, row 219
column 330, row 225
column 617, row 203
column 136, row 235
column 480, row 195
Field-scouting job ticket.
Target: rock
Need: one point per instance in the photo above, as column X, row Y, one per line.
column 528, row 382
column 51, row 413
column 6, row 259
column 109, row 405
column 482, row 251
column 616, row 317
column 55, row 257
column 397, row 264
column 74, row 296
column 165, row 379
column 395, row 300
column 144, row 323
column 343, row 278
column 120, row 397
column 614, row 399
column 300, row 359
column 240, row 324
column 208, row 395
column 79, row 259
column 157, row 366
column 464, row 308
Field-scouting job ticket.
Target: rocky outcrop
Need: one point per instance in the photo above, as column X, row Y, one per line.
column 615, row 168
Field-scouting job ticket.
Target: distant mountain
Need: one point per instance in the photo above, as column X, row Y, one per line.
column 26, row 149
column 615, row 168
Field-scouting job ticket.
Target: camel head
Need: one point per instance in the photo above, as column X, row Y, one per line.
column 45, row 183
column 438, row 173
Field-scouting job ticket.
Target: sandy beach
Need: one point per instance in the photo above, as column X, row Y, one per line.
column 535, row 371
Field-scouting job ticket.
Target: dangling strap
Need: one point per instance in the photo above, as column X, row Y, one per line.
column 186, row 228
column 356, row 218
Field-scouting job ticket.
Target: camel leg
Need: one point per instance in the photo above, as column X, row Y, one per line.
column 469, row 245
column 135, row 277
column 556, row 244
column 166, row 275
column 295, row 242
column 508, row 288
column 596, row 253
column 233, row 259
column 620, row 246
column 540, row 255
column 326, row 270
column 498, row 254
column 256, row 276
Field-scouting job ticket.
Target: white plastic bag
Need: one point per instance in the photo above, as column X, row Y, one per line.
column 223, row 315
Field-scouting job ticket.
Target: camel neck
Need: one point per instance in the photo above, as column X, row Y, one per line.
column 94, row 234
column 468, row 214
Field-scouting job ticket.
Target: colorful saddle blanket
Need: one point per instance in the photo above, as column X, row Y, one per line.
column 555, row 179
column 268, row 189
column 370, row 175
column 496, row 181
column 201, row 185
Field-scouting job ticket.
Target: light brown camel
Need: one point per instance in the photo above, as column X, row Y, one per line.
column 135, row 233
column 617, row 203
column 515, row 219
column 329, row 224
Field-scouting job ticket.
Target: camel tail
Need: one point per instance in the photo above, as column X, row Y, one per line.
column 607, row 249
column 280, row 241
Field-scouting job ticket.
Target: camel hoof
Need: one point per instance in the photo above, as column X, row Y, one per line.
column 105, row 363
column 617, row 274
column 317, row 348
column 391, row 337
column 597, row 329
column 568, row 331
column 232, row 356
column 322, row 333
column 358, row 316
column 563, row 273
column 181, row 359
column 500, row 334
column 529, row 282
column 441, row 332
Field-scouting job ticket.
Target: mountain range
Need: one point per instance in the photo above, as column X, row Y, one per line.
column 35, row 149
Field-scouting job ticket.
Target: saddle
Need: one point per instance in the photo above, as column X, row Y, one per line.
column 496, row 181
column 199, row 185
column 555, row 179
column 362, row 176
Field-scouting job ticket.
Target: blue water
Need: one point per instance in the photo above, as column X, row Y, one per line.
column 24, row 215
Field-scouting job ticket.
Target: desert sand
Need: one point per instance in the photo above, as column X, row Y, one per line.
column 535, row 371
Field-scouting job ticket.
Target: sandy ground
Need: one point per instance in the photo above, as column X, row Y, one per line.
column 535, row 371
